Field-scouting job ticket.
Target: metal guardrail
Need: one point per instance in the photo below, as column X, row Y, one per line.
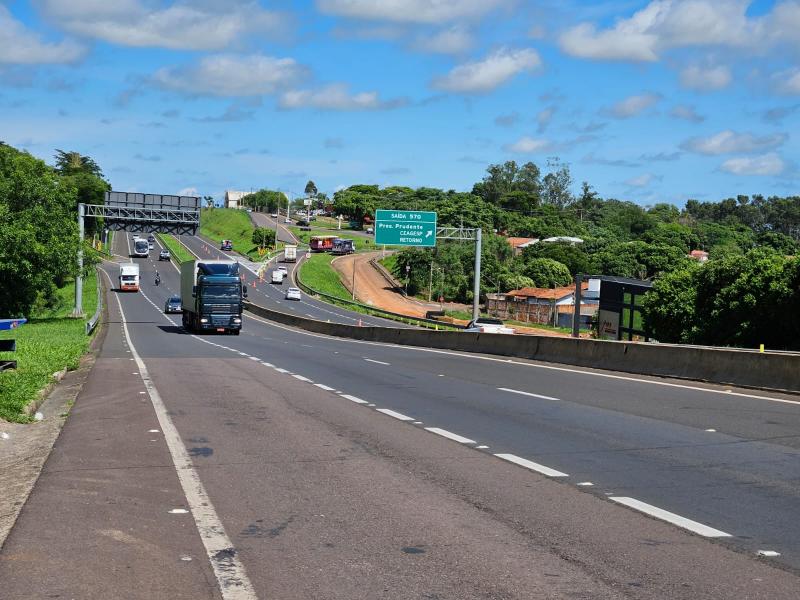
column 8, row 346
column 370, row 309
column 91, row 324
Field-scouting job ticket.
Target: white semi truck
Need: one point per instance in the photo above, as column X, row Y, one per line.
column 128, row 277
column 290, row 253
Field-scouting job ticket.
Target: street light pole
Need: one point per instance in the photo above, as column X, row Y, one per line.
column 476, row 285
column 408, row 271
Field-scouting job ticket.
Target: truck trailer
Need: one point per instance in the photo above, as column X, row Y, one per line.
column 290, row 253
column 128, row 277
column 211, row 296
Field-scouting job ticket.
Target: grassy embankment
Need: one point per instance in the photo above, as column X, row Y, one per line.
column 49, row 342
column 230, row 224
column 318, row 274
column 179, row 253
column 361, row 243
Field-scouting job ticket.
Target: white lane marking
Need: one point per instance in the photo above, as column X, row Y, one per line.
column 300, row 377
column 711, row 430
column 482, row 447
column 228, row 569
column 153, row 431
column 502, row 389
column 450, row 435
column 379, row 362
column 178, row 511
column 279, row 370
column 770, row 553
column 266, row 364
column 396, row 415
column 354, row 399
column 417, row 422
column 585, row 483
column 327, row 388
column 254, row 358
column 524, row 364
column 529, row 464
column 669, row 517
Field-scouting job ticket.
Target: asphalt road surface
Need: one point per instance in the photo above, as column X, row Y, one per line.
column 283, row 464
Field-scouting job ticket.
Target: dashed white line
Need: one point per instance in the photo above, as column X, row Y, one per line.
column 529, row 464
column 255, row 359
column 502, row 389
column 379, row 362
column 327, row 388
column 396, row 415
column 354, row 399
column 279, row 370
column 768, row 553
column 267, row 364
column 450, row 435
column 300, row 377
column 669, row 517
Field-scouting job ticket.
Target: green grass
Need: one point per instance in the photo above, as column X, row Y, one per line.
column 318, row 274
column 109, row 241
column 390, row 262
column 361, row 243
column 229, row 224
column 179, row 253
column 46, row 344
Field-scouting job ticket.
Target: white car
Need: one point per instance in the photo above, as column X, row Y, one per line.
column 488, row 325
column 283, row 270
column 287, row 220
column 293, row 294
column 277, row 276
column 274, row 215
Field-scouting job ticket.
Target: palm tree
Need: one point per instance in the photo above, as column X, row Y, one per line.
column 209, row 201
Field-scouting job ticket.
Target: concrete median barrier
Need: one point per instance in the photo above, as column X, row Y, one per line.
column 767, row 370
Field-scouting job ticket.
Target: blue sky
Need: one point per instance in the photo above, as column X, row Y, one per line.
column 648, row 101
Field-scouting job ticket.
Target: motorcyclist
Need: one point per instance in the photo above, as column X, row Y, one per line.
column 158, row 278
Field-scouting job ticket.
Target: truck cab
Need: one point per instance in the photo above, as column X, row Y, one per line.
column 211, row 296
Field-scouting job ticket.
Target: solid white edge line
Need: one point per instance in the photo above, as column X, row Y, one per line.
column 396, row 415
column 228, row 569
column 529, row 464
column 502, row 389
column 669, row 517
column 522, row 364
column 450, row 435
column 354, row 399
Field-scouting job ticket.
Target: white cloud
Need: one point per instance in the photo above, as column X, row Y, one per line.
column 487, row 74
column 528, row 145
column 631, row 106
column 181, row 25
column 454, row 40
column 706, row 79
column 665, row 24
column 687, row 113
column 409, row 11
column 232, row 75
column 642, row 180
column 544, row 117
column 765, row 164
column 788, row 82
column 728, row 142
column 188, row 191
column 21, row 46
column 336, row 96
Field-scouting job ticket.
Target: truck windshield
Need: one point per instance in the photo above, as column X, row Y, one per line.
column 226, row 292
column 141, row 245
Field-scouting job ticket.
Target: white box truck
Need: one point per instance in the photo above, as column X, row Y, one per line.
column 128, row 277
column 290, row 253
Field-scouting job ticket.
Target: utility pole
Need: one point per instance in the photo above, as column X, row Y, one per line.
column 354, row 279
column 430, row 283
column 476, row 286
column 78, row 311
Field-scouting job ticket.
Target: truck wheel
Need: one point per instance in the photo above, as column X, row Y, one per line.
column 235, row 332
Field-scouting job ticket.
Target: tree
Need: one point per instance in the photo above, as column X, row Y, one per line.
column 70, row 163
column 310, row 189
column 668, row 309
column 209, row 200
column 546, row 272
column 556, row 184
column 263, row 237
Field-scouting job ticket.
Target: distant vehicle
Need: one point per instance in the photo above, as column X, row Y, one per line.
column 312, row 218
column 173, row 305
column 151, row 238
column 370, row 230
column 164, row 255
column 321, row 243
column 211, row 296
column 141, row 247
column 283, row 270
column 226, row 245
column 488, row 325
column 290, row 253
column 274, row 215
column 302, row 223
column 150, row 245
column 342, row 246
column 277, row 276
column 293, row 293
column 287, row 220
column 128, row 277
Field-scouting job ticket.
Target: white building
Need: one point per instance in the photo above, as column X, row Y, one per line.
column 233, row 198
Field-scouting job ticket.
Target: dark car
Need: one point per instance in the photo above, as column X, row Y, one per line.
column 226, row 245
column 164, row 255
column 151, row 238
column 173, row 305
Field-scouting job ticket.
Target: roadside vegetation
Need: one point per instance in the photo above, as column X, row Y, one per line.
column 361, row 243
column 176, row 249
column 230, row 224
column 48, row 343
column 318, row 274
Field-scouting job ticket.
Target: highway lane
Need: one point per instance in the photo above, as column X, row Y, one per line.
column 273, row 295
column 277, row 449
column 628, row 436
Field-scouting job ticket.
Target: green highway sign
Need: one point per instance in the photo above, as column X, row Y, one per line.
column 405, row 228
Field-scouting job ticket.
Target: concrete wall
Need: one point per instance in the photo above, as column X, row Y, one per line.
column 749, row 369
